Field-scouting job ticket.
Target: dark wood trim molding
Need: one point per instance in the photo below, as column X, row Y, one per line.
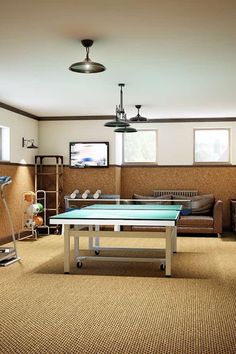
column 18, row 111
column 154, row 120
column 15, row 164
column 130, row 166
column 111, row 117
column 189, row 120
column 58, row 118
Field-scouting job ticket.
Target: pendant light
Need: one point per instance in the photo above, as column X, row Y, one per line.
column 120, row 120
column 125, row 130
column 87, row 66
column 138, row 118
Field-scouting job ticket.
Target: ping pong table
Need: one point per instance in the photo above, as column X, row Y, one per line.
column 117, row 215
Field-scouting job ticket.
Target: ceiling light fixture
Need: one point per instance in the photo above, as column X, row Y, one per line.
column 138, row 118
column 120, row 122
column 29, row 143
column 87, row 66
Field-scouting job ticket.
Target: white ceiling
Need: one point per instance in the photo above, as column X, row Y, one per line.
column 176, row 57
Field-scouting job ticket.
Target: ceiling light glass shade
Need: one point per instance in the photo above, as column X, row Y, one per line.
column 125, row 130
column 87, row 66
column 138, row 117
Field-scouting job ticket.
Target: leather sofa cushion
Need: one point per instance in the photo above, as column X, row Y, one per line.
column 195, row 221
column 200, row 204
column 151, row 198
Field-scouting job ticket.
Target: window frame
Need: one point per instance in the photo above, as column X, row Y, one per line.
column 140, row 163
column 212, row 162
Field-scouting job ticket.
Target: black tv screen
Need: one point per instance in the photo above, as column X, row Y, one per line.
column 85, row 154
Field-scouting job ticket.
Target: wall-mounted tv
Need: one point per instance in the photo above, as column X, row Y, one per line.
column 86, row 154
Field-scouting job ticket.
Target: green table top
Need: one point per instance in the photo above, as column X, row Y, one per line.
column 116, row 214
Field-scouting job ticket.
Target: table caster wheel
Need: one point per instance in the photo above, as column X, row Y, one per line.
column 79, row 264
column 162, row 266
column 97, row 252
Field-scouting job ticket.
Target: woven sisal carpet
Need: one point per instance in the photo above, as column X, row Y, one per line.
column 120, row 308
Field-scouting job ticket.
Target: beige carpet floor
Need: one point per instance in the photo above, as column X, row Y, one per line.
column 120, row 308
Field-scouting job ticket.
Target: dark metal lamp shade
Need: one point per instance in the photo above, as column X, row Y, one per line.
column 116, row 123
column 125, row 130
column 87, row 66
column 138, row 117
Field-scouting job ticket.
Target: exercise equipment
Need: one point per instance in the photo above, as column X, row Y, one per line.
column 38, row 220
column 74, row 193
column 30, row 223
column 29, row 197
column 86, row 194
column 33, row 203
column 97, row 194
column 35, row 209
column 8, row 255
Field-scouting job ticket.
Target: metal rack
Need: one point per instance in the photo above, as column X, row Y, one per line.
column 38, row 197
column 49, row 177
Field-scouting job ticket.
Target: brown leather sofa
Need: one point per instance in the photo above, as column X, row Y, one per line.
column 201, row 214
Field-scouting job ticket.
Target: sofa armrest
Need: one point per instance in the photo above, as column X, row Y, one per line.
column 217, row 216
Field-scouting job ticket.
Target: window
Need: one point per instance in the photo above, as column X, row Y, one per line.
column 212, row 146
column 4, row 143
column 140, row 147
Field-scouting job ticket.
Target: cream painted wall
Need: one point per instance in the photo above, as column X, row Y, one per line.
column 55, row 136
column 175, row 140
column 19, row 126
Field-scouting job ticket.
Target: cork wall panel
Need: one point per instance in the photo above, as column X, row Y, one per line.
column 22, row 180
column 221, row 181
column 108, row 180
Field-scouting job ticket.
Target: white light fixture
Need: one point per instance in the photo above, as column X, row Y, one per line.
column 87, row 66
column 28, row 143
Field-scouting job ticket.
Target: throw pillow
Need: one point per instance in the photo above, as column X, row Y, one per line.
column 165, row 199
column 202, row 204
column 185, row 202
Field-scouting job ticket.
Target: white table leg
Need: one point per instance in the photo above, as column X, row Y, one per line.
column 76, row 247
column 97, row 240
column 168, row 250
column 116, row 227
column 67, row 249
column 174, row 239
column 90, row 240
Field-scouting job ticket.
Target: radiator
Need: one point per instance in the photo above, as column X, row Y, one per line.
column 182, row 192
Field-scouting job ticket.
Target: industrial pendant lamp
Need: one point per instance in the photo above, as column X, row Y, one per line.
column 125, row 130
column 87, row 66
column 120, row 120
column 138, row 117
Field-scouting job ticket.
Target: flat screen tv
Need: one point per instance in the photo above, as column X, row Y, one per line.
column 86, row 154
